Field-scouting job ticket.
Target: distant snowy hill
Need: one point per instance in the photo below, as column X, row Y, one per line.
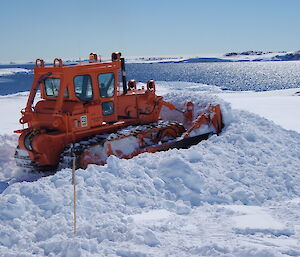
column 228, row 57
column 288, row 57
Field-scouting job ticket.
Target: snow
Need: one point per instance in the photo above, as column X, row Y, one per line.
column 13, row 104
column 217, row 57
column 151, row 216
column 280, row 106
column 200, row 57
column 236, row 194
column 11, row 71
column 254, row 219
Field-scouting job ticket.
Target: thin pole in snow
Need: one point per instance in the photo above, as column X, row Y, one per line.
column 74, row 189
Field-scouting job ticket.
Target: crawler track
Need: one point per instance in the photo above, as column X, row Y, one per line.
column 78, row 148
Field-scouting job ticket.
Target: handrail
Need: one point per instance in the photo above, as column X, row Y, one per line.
column 39, row 63
column 59, row 62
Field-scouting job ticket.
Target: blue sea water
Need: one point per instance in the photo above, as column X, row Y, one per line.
column 238, row 76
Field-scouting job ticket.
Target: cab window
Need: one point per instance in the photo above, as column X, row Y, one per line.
column 106, row 84
column 83, row 87
column 52, row 86
column 107, row 108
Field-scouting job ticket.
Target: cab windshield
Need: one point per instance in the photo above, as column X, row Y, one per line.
column 52, row 86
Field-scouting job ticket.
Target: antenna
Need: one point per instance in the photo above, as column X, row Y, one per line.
column 79, row 58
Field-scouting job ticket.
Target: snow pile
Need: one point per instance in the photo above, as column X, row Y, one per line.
column 13, row 105
column 201, row 101
column 7, row 163
column 12, row 71
column 190, row 202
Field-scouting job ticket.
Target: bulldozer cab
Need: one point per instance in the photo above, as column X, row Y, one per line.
column 81, row 87
column 81, row 97
column 89, row 84
column 86, row 93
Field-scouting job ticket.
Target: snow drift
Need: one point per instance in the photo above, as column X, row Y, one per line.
column 194, row 202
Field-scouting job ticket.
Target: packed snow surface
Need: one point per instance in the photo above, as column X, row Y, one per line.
column 236, row 194
column 280, row 106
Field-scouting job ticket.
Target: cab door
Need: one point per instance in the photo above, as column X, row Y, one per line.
column 108, row 95
column 91, row 116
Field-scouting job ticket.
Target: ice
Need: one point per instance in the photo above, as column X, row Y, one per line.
column 3, row 185
column 11, row 71
column 236, row 194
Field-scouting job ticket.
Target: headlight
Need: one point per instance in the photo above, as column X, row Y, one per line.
column 28, row 140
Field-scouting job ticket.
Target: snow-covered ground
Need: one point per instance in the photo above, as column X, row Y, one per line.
column 280, row 106
column 237, row 194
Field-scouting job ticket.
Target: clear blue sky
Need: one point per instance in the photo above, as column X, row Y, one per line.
column 72, row 29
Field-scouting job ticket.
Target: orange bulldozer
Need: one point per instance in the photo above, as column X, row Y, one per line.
column 86, row 113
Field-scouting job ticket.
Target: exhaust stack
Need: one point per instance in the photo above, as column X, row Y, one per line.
column 123, row 76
